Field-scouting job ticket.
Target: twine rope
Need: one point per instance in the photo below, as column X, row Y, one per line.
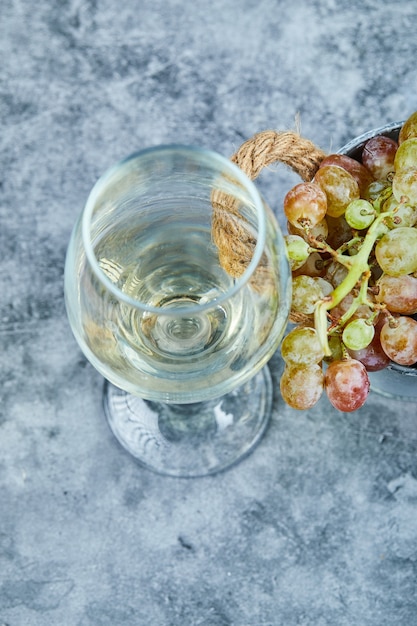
column 287, row 147
column 234, row 241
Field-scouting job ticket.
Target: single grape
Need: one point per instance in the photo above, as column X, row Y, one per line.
column 302, row 385
column 359, row 172
column 347, row 384
column 381, row 197
column 325, row 286
column 298, row 250
column 339, row 186
column 378, row 156
column 336, row 349
column 408, row 129
column 399, row 340
column 406, row 156
column 319, row 231
column 404, row 184
column 305, row 204
column 306, row 292
column 360, row 214
column 335, row 273
column 358, row 334
column 363, row 311
column 375, row 190
column 396, row 251
column 376, row 272
column 403, row 214
column 314, row 266
column 339, row 231
column 373, row 356
column 399, row 293
column 302, row 345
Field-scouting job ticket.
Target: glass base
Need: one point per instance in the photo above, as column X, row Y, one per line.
column 189, row 440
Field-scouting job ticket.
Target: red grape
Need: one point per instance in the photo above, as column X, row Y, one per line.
column 363, row 310
column 359, row 172
column 339, row 186
column 399, row 340
column 305, row 204
column 347, row 384
column 396, row 251
column 399, row 293
column 378, row 156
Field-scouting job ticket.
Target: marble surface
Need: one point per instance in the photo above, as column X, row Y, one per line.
column 319, row 525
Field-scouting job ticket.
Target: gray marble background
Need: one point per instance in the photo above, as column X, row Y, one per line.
column 318, row 527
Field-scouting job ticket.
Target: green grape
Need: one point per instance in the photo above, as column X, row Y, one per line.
column 408, row 129
column 358, row 334
column 375, row 190
column 302, row 345
column 306, row 292
column 298, row 250
column 339, row 186
column 396, row 251
column 325, row 286
column 302, row 385
column 360, row 214
column 373, row 356
column 406, row 156
column 379, row 201
column 404, row 214
column 404, row 184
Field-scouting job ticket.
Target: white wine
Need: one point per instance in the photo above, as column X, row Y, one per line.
column 191, row 343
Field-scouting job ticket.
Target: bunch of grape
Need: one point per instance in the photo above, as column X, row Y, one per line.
column 352, row 245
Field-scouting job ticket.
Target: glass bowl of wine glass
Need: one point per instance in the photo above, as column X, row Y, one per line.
column 178, row 291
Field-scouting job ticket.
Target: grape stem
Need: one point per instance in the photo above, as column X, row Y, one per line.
column 337, row 255
column 358, row 267
column 361, row 298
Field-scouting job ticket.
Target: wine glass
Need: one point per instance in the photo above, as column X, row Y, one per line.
column 177, row 290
